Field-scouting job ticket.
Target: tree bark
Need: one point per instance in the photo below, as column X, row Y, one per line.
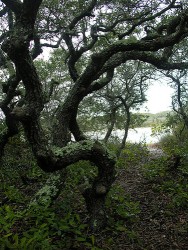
column 126, row 129
column 50, row 191
column 111, row 126
column 61, row 154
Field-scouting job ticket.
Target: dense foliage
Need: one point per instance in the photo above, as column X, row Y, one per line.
column 101, row 56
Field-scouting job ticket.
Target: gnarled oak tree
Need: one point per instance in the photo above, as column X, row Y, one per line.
column 96, row 36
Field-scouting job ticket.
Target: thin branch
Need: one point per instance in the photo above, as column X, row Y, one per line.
column 159, row 62
column 152, row 17
column 103, row 82
column 37, row 50
column 10, row 90
column 117, row 21
column 10, row 19
column 14, row 5
column 84, row 13
column 3, row 11
column 2, row 59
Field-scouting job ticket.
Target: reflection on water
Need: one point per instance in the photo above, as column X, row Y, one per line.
column 134, row 135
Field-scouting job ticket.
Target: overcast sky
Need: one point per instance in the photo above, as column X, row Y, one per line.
column 159, row 98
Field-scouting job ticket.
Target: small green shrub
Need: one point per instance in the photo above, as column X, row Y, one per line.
column 170, row 145
column 178, row 192
column 13, row 194
column 120, row 205
column 173, row 147
column 155, row 168
column 82, row 172
column 132, row 155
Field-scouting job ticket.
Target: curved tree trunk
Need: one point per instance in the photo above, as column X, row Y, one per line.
column 111, row 126
column 58, row 156
column 126, row 129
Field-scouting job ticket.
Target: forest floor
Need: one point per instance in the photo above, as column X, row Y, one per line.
column 161, row 225
column 147, row 210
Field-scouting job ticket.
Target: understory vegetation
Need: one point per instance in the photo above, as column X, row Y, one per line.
column 147, row 205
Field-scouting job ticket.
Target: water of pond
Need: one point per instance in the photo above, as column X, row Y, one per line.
column 134, row 135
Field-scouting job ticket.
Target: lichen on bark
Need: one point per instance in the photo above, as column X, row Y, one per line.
column 50, row 191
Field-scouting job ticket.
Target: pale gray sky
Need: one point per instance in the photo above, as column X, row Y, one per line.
column 159, row 97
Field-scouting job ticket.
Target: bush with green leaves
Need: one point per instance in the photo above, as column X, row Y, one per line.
column 171, row 145
column 155, row 168
column 176, row 148
column 175, row 135
column 120, row 205
column 15, row 161
column 133, row 154
column 178, row 191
